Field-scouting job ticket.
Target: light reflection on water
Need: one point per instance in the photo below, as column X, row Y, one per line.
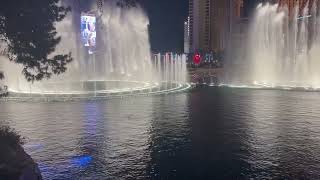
column 219, row 133
column 111, row 138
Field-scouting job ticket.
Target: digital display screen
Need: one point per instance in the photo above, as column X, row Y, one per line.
column 88, row 32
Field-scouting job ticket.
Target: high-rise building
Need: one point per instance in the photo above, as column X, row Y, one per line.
column 187, row 36
column 222, row 13
column 210, row 24
column 191, row 30
column 237, row 8
column 197, row 10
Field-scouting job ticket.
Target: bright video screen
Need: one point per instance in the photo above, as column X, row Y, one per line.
column 88, row 31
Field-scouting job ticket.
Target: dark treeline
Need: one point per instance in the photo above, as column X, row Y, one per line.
column 28, row 36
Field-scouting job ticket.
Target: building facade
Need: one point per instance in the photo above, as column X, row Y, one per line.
column 211, row 23
column 198, row 13
column 187, row 36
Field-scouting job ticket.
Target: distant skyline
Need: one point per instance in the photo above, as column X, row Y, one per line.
column 167, row 22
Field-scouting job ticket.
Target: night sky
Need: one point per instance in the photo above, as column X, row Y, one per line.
column 166, row 23
column 167, row 18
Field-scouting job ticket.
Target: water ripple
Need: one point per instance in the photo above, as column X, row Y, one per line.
column 211, row 133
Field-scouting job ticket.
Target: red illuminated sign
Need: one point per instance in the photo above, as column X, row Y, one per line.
column 197, row 58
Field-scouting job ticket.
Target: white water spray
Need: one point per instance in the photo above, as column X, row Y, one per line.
column 123, row 61
column 282, row 51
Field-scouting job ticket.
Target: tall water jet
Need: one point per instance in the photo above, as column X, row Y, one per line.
column 123, row 53
column 283, row 48
column 120, row 62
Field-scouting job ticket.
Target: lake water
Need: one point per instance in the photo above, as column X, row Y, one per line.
column 207, row 133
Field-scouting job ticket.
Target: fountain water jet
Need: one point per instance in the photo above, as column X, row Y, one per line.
column 282, row 49
column 122, row 64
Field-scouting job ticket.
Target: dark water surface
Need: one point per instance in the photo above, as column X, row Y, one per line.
column 220, row 133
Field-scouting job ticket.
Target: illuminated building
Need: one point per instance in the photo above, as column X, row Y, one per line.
column 222, row 18
column 238, row 6
column 187, row 36
column 191, row 30
column 199, row 28
column 210, row 24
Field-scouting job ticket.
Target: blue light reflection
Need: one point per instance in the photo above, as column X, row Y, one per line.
column 82, row 161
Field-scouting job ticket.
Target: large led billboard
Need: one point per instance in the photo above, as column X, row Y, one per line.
column 88, row 32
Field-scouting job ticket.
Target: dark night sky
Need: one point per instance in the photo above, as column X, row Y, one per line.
column 166, row 23
column 167, row 18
